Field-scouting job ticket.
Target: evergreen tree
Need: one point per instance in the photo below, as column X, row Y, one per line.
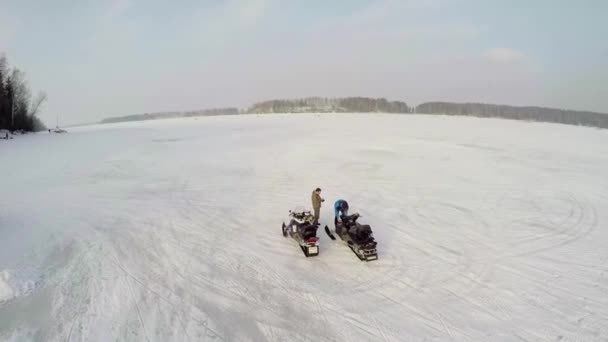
column 17, row 110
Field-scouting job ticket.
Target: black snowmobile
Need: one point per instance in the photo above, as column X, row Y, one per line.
column 303, row 229
column 358, row 237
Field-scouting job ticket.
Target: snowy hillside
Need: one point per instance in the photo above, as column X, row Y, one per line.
column 488, row 230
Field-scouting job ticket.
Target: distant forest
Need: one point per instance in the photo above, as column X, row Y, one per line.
column 169, row 115
column 381, row 105
column 541, row 114
column 328, row 105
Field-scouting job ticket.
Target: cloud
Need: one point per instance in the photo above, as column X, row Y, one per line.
column 504, row 55
column 234, row 16
column 117, row 8
column 251, row 10
column 7, row 31
column 110, row 31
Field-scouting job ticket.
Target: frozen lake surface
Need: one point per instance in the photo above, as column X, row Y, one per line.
column 488, row 230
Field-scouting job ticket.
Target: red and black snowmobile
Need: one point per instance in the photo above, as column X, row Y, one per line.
column 303, row 229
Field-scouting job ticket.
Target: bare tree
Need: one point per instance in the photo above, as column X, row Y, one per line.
column 37, row 103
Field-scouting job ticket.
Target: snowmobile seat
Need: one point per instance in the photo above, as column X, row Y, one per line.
column 308, row 231
column 361, row 233
column 350, row 218
column 349, row 221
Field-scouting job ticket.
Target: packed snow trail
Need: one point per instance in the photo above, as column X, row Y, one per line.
column 487, row 230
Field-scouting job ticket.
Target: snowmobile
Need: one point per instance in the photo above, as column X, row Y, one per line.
column 303, row 229
column 358, row 237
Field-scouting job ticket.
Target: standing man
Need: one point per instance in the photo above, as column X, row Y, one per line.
column 316, row 203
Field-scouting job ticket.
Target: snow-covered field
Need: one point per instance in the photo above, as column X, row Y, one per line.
column 488, row 230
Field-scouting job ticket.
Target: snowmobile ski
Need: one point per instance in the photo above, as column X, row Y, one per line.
column 329, row 233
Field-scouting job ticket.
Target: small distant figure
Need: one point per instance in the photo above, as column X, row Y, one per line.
column 340, row 209
column 316, row 203
column 49, row 130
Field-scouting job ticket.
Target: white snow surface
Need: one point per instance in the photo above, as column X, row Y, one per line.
column 6, row 292
column 488, row 230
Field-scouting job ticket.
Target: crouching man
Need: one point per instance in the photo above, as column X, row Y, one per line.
column 340, row 209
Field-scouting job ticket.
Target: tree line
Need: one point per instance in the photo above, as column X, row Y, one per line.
column 307, row 105
column 170, row 115
column 330, row 105
column 541, row 114
column 17, row 107
column 381, row 105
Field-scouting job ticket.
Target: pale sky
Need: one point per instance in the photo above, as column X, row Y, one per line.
column 103, row 58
